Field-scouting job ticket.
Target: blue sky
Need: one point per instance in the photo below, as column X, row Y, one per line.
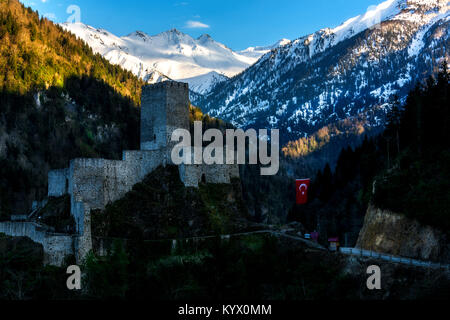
column 236, row 23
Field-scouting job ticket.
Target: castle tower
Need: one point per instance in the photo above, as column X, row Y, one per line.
column 164, row 108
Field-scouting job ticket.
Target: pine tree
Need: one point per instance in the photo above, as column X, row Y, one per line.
column 393, row 121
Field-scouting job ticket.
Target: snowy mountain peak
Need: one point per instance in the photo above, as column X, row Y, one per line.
column 205, row 38
column 172, row 33
column 254, row 52
column 175, row 31
column 172, row 54
column 138, row 34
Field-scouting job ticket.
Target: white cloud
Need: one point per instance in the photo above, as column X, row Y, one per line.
column 196, row 24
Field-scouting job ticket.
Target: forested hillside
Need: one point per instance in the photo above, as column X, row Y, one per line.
column 57, row 101
column 37, row 54
column 409, row 164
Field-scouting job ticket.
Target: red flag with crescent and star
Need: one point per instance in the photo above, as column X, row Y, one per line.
column 302, row 186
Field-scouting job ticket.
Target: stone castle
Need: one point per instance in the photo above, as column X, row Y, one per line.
column 93, row 183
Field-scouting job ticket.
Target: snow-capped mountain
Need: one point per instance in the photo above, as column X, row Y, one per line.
column 338, row 73
column 202, row 84
column 201, row 62
column 258, row 52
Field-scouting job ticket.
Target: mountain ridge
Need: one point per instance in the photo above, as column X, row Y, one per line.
column 202, row 62
column 336, row 73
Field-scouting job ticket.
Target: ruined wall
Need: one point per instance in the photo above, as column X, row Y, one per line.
column 98, row 181
column 83, row 243
column 192, row 175
column 58, row 182
column 56, row 246
column 87, row 181
column 118, row 180
column 77, row 211
column 141, row 163
column 220, row 173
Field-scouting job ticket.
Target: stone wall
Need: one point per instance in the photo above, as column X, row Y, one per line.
column 83, row 243
column 220, row 173
column 153, row 117
column 177, row 107
column 87, row 181
column 58, row 182
column 141, row 163
column 192, row 175
column 164, row 108
column 56, row 246
column 98, row 181
column 77, row 211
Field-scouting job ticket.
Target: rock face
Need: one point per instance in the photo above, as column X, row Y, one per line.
column 395, row 234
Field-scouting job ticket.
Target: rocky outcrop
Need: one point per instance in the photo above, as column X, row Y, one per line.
column 395, row 234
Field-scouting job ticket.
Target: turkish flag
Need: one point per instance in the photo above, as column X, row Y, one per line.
column 302, row 187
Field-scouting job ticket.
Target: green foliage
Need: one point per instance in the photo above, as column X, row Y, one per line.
column 8, row 25
column 417, row 182
column 107, row 277
column 36, row 54
column 251, row 267
column 338, row 200
column 58, row 101
column 221, row 210
column 409, row 161
column 22, row 275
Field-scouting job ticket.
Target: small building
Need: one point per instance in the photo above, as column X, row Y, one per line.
column 334, row 244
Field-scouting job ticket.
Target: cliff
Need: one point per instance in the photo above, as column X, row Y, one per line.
column 388, row 232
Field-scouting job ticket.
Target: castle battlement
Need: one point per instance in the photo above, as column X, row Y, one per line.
column 88, row 162
column 165, row 84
